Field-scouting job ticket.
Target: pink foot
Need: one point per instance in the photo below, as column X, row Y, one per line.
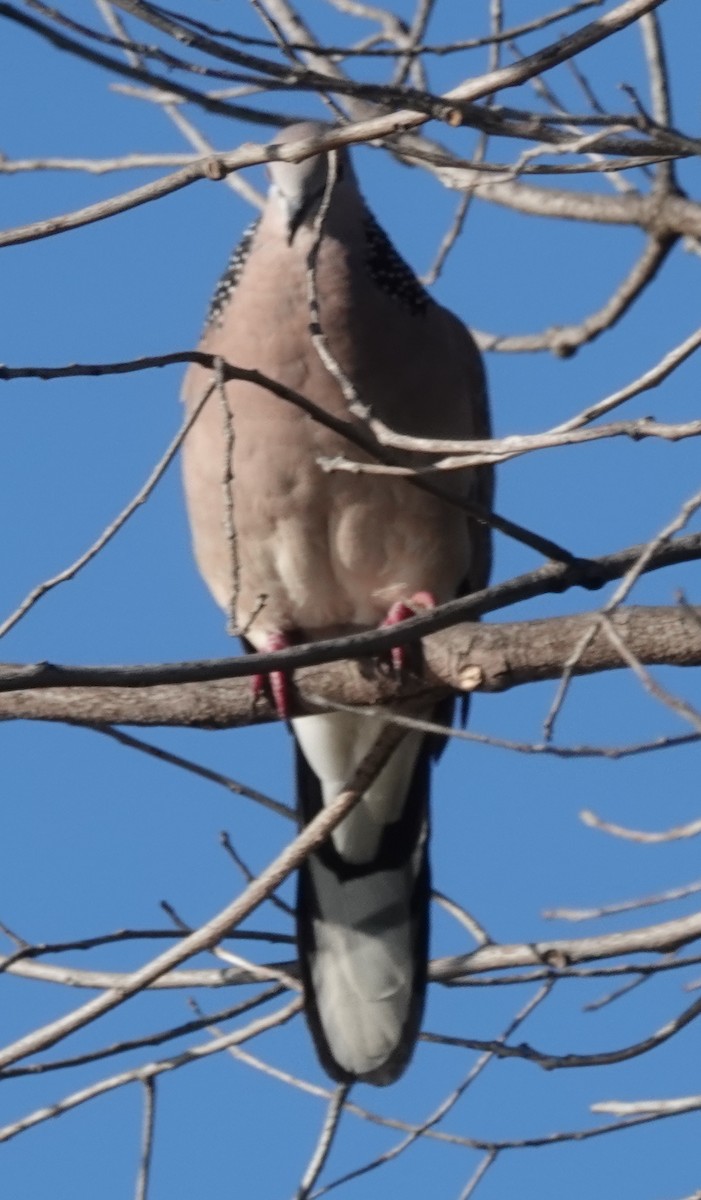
column 276, row 682
column 401, row 611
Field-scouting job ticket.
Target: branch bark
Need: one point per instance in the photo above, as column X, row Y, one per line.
column 465, row 658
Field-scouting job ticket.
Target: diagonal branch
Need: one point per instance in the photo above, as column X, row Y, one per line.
column 210, row 934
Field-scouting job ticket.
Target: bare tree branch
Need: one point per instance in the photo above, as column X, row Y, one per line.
column 556, row 955
column 208, row 935
column 149, row 1072
column 693, row 829
column 144, row 1175
column 473, row 658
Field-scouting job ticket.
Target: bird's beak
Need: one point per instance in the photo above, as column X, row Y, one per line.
column 294, row 218
column 296, row 209
column 293, row 210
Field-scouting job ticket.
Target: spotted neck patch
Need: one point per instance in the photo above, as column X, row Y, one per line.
column 234, row 270
column 389, row 270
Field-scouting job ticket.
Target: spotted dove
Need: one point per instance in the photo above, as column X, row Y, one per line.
column 322, row 554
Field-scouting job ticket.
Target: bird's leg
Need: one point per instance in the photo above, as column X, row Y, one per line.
column 277, row 683
column 401, row 610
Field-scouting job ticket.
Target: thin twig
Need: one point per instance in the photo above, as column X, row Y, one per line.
column 210, row 934
column 451, row 1100
column 610, row 910
column 645, row 837
column 626, row 1108
column 152, row 1039
column 552, row 1062
column 226, row 843
column 322, row 1149
column 149, row 1071
column 227, row 487
column 113, row 528
column 681, row 707
column 348, row 430
column 171, row 110
column 493, row 451
column 462, row 916
column 144, row 1173
column 187, row 764
column 665, row 180
column 480, row 1171
column 602, row 621
column 452, row 1139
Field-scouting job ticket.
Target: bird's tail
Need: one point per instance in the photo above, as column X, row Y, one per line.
column 362, row 911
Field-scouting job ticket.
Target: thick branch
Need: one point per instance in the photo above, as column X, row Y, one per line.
column 662, row 217
column 664, row 938
column 467, row 657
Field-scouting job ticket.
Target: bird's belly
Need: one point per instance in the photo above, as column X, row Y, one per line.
column 343, row 559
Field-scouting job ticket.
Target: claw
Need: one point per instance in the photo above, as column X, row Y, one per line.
column 275, row 683
column 401, row 611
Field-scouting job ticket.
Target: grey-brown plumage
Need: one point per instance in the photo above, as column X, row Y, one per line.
column 334, row 552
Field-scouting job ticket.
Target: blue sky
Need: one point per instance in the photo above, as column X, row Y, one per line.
column 94, row 836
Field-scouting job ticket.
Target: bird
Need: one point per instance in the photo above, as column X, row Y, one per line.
column 322, row 554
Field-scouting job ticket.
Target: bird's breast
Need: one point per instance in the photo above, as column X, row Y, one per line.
column 340, row 548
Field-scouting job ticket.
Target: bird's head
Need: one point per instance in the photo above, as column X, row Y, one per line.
column 298, row 187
